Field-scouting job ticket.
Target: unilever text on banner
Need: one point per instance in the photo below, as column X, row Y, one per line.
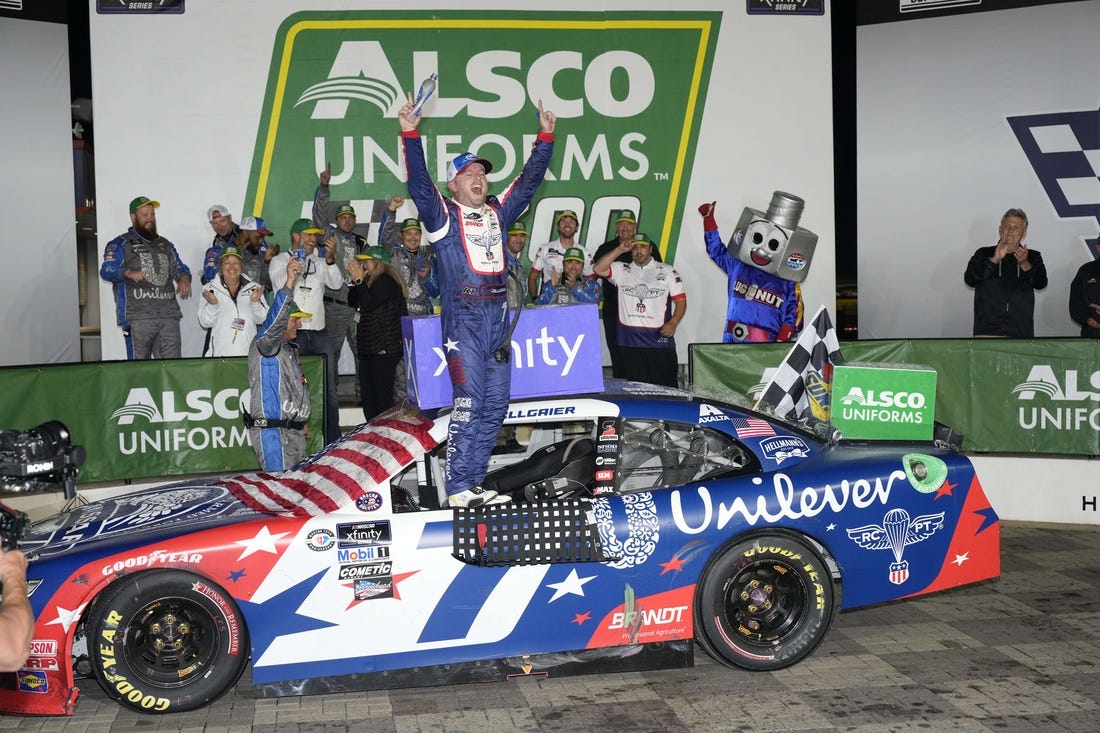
column 555, row 350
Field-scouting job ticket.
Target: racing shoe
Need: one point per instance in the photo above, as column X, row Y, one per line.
column 477, row 496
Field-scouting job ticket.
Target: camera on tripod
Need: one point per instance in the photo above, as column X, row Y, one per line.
column 37, row 459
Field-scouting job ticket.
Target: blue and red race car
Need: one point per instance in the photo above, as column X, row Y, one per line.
column 641, row 519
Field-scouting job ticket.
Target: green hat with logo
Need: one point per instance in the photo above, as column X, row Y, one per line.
column 573, row 253
column 518, row 227
column 627, row 215
column 305, row 226
column 568, row 212
column 643, row 239
column 410, row 224
column 375, row 253
column 143, row 201
column 231, row 252
column 345, row 209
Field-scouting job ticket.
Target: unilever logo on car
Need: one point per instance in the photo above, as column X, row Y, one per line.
column 626, row 133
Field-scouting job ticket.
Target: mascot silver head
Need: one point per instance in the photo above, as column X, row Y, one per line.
column 773, row 241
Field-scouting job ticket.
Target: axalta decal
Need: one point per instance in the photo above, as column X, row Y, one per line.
column 627, row 127
column 170, row 421
column 1073, row 397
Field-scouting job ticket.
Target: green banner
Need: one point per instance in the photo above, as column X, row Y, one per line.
column 140, row 419
column 1004, row 396
column 627, row 89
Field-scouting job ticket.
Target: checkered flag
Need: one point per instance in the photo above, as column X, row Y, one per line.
column 800, row 387
column 1064, row 151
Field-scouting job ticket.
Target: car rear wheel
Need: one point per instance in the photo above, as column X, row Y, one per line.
column 764, row 603
column 166, row 641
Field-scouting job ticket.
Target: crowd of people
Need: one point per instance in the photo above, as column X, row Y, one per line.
column 332, row 286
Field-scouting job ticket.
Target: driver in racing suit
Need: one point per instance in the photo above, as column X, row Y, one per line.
column 467, row 235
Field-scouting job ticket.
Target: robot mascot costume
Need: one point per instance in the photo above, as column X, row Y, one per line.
column 472, row 264
column 770, row 255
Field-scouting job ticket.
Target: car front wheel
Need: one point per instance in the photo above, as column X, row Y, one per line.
column 764, row 603
column 166, row 641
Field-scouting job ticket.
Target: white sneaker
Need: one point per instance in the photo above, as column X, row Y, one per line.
column 476, row 497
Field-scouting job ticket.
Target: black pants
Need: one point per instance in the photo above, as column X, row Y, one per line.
column 656, row 365
column 376, row 374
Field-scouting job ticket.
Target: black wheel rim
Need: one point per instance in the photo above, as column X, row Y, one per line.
column 169, row 640
column 764, row 602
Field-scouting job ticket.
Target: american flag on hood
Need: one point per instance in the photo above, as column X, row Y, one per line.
column 343, row 472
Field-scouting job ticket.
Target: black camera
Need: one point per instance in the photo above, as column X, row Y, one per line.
column 39, row 458
column 12, row 525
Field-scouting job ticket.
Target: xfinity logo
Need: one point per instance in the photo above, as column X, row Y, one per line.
column 506, row 81
column 1042, row 380
column 544, row 349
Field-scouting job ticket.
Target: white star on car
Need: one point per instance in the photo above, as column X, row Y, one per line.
column 66, row 618
column 451, row 345
column 264, row 541
column 572, row 584
column 960, row 559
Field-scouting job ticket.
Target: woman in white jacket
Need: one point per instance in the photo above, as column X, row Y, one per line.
column 234, row 305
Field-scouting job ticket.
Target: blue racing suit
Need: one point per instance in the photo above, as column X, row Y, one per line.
column 472, row 265
column 762, row 306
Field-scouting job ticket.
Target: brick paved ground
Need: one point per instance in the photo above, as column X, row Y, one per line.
column 1017, row 654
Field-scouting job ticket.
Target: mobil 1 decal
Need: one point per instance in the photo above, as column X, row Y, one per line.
column 628, row 89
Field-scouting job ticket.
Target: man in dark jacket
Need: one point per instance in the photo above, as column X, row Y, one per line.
column 1084, row 299
column 1005, row 278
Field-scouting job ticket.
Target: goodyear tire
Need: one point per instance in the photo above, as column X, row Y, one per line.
column 166, row 641
column 764, row 603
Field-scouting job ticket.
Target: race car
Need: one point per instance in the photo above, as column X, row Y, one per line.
column 641, row 518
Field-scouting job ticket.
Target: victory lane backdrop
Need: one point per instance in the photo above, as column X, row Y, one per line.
column 144, row 419
column 626, row 94
column 1039, row 396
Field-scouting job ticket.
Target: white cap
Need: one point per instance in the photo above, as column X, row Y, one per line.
column 216, row 209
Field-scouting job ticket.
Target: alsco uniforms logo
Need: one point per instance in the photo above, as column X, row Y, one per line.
column 627, row 127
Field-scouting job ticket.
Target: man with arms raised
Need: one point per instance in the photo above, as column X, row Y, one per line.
column 467, row 234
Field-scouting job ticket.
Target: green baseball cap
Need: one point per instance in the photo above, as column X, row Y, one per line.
column 231, row 252
column 410, row 224
column 568, row 212
column 627, row 215
column 305, row 226
column 518, row 227
column 345, row 209
column 375, row 253
column 143, row 201
column 574, row 253
column 643, row 239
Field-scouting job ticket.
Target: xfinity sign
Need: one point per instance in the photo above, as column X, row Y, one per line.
column 627, row 126
column 555, row 350
column 884, row 402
